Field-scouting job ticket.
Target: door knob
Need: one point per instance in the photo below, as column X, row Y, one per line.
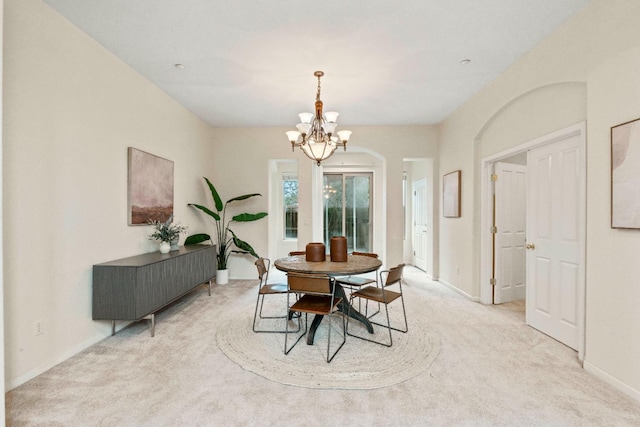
column 531, row 246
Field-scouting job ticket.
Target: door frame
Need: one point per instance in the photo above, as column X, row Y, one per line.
column 379, row 201
column 427, row 209
column 486, row 215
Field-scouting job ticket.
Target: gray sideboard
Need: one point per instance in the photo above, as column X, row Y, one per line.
column 135, row 288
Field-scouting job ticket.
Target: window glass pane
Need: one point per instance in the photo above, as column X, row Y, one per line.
column 332, row 187
column 347, row 209
column 358, row 208
column 290, row 202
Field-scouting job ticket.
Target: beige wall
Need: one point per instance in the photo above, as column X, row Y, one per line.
column 71, row 109
column 613, row 292
column 587, row 69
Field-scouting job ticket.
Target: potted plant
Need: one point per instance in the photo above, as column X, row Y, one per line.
column 167, row 233
column 225, row 237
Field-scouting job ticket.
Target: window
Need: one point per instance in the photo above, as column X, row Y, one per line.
column 347, row 209
column 290, row 206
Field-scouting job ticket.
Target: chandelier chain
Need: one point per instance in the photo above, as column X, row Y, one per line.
column 318, row 93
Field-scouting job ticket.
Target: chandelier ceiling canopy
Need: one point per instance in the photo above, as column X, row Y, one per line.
column 316, row 135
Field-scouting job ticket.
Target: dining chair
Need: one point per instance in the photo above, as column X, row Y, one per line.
column 354, row 282
column 317, row 297
column 264, row 289
column 357, row 280
column 384, row 296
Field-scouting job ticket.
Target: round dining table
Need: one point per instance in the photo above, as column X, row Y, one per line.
column 355, row 264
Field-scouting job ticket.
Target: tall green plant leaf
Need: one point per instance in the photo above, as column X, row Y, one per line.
column 214, row 193
column 206, row 210
column 246, row 217
column 241, row 244
column 246, row 196
column 194, row 239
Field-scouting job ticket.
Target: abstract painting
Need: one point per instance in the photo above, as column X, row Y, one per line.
column 150, row 183
column 625, row 175
column 451, row 195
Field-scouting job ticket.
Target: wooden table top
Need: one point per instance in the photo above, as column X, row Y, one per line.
column 356, row 264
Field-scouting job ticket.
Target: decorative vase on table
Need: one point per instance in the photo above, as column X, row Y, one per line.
column 165, row 247
column 338, row 249
column 174, row 243
column 222, row 277
column 315, row 252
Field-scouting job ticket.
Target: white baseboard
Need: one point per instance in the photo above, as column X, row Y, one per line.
column 12, row 383
column 612, row 381
column 458, row 290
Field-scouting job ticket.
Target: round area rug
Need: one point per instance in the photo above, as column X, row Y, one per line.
column 358, row 365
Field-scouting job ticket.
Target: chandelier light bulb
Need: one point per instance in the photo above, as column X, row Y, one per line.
column 331, row 116
column 306, row 117
column 344, row 135
column 293, row 135
column 329, row 127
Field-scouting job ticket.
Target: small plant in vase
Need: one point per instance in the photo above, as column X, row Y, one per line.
column 167, row 233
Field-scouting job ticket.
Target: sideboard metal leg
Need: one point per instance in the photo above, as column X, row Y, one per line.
column 152, row 317
column 113, row 327
column 209, row 287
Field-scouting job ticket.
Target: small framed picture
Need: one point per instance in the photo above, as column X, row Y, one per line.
column 625, row 175
column 451, row 194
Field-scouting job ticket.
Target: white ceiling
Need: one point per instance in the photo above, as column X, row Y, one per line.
column 251, row 62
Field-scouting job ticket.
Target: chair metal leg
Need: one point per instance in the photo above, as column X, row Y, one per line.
column 344, row 338
column 286, row 336
column 404, row 312
column 371, row 340
column 387, row 326
column 258, row 315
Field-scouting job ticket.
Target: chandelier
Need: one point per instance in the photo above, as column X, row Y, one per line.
column 316, row 132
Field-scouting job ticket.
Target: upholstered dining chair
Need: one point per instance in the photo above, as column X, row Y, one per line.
column 317, row 297
column 384, row 296
column 264, row 289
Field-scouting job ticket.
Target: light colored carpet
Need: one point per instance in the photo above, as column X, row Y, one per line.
column 491, row 370
column 358, row 365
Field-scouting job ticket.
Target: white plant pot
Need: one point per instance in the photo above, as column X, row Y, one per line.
column 165, row 247
column 222, row 277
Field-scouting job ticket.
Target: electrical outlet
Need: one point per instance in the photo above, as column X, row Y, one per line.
column 37, row 328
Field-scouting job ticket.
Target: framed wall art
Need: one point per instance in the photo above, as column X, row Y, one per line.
column 150, row 187
column 625, row 175
column 451, row 194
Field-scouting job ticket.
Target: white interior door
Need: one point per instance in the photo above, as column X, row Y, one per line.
column 555, row 240
column 510, row 187
column 420, row 243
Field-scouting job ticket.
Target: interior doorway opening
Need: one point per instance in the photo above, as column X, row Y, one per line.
column 420, row 236
column 555, row 226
